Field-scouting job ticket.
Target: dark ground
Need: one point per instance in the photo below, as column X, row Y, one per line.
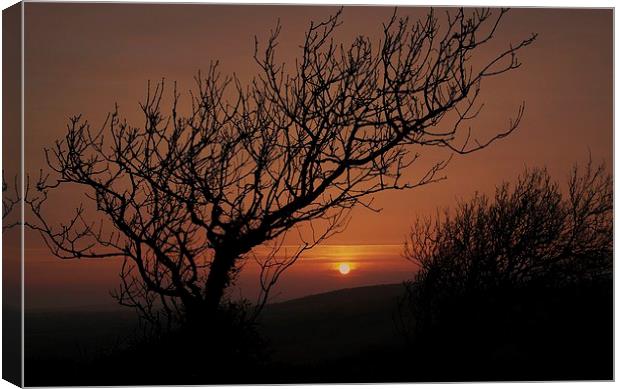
column 343, row 336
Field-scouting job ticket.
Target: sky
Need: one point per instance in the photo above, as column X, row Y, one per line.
column 84, row 58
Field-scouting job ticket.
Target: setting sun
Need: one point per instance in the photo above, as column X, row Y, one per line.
column 344, row 268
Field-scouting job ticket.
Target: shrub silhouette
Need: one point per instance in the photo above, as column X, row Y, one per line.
column 522, row 275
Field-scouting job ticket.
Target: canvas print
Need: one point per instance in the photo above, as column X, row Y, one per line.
column 263, row 194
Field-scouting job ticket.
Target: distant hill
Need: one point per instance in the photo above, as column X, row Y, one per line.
column 372, row 294
column 333, row 325
column 298, row 327
column 323, row 330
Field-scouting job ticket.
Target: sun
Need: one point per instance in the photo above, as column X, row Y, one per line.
column 344, row 268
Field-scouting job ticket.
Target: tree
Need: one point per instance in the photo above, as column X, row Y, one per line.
column 530, row 238
column 186, row 198
column 10, row 201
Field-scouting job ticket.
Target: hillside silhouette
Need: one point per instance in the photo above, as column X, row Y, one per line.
column 349, row 335
column 76, row 347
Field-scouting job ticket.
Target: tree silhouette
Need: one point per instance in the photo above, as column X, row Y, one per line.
column 10, row 201
column 531, row 237
column 186, row 198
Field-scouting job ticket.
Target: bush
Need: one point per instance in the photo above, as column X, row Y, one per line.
column 514, row 273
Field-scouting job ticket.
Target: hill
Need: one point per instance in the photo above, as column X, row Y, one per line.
column 332, row 325
column 318, row 330
column 344, row 336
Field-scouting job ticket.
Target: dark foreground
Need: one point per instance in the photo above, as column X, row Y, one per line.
column 349, row 335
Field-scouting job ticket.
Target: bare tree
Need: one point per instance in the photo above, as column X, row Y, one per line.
column 10, row 201
column 186, row 198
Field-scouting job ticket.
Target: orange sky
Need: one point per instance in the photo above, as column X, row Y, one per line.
column 82, row 58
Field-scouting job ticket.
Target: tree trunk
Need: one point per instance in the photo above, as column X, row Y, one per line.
column 218, row 280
